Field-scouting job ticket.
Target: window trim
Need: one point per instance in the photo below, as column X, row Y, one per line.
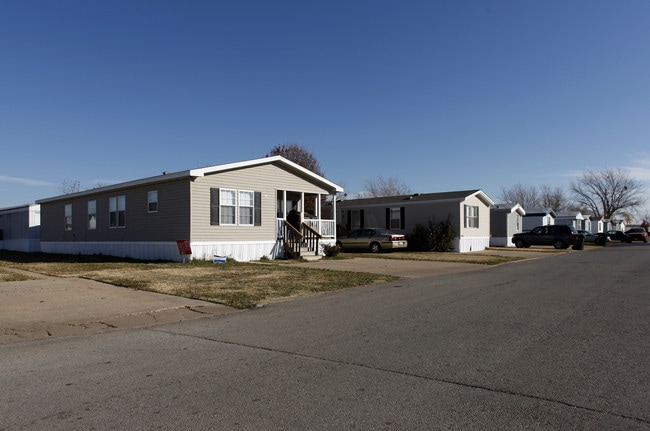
column 150, row 201
column 240, row 206
column 92, row 224
column 67, row 217
column 233, row 206
column 471, row 219
column 119, row 220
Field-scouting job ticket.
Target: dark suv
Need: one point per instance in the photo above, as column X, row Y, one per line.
column 559, row 236
column 637, row 234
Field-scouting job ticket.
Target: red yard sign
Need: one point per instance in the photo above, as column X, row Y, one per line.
column 183, row 247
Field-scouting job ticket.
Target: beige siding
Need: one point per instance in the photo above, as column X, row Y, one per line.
column 267, row 179
column 483, row 218
column 168, row 224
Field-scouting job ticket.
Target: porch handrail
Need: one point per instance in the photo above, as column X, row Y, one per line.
column 326, row 228
column 310, row 238
column 292, row 239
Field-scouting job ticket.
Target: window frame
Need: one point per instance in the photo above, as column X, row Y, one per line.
column 117, row 206
column 152, row 199
column 92, row 215
column 67, row 217
column 250, row 207
column 471, row 219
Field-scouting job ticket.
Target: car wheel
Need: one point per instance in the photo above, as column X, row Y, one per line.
column 558, row 244
column 519, row 243
column 375, row 247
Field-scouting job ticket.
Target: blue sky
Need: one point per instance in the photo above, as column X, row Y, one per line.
column 443, row 95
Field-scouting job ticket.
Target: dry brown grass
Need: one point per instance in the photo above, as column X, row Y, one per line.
column 237, row 284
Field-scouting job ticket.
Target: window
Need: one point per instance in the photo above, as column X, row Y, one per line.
column 117, row 211
column 92, row 215
column 246, row 207
column 471, row 216
column 68, row 217
column 395, row 218
column 235, row 208
column 152, row 201
column 227, row 206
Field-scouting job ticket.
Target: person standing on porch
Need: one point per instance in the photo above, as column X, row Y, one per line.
column 293, row 218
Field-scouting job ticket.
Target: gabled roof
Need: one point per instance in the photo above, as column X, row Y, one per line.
column 577, row 215
column 540, row 212
column 201, row 172
column 422, row 197
column 510, row 208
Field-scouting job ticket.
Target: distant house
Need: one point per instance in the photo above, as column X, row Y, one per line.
column 570, row 218
column 615, row 224
column 469, row 212
column 505, row 220
column 20, row 228
column 238, row 210
column 538, row 217
column 593, row 224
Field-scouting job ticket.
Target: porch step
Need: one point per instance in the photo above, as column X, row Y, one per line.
column 311, row 257
column 307, row 254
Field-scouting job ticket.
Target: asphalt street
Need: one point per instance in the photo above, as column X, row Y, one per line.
column 554, row 343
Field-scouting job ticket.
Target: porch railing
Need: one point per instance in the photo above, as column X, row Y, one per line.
column 325, row 228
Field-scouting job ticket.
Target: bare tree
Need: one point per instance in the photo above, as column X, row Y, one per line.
column 381, row 187
column 298, row 154
column 554, row 198
column 608, row 192
column 67, row 187
column 524, row 195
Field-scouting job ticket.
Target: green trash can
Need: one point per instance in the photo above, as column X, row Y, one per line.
column 579, row 243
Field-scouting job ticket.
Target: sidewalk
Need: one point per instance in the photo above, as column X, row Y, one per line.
column 53, row 306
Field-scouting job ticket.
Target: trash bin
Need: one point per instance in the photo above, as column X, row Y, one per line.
column 579, row 243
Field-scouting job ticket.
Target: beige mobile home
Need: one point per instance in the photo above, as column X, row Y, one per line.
column 469, row 211
column 237, row 210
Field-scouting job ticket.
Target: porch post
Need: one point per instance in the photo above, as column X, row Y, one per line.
column 302, row 207
column 284, row 204
column 334, row 212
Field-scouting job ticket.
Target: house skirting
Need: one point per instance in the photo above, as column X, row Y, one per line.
column 240, row 251
column 168, row 251
column 501, row 241
column 157, row 250
column 468, row 243
column 25, row 245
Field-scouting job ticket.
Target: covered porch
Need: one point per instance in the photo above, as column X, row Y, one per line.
column 302, row 225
